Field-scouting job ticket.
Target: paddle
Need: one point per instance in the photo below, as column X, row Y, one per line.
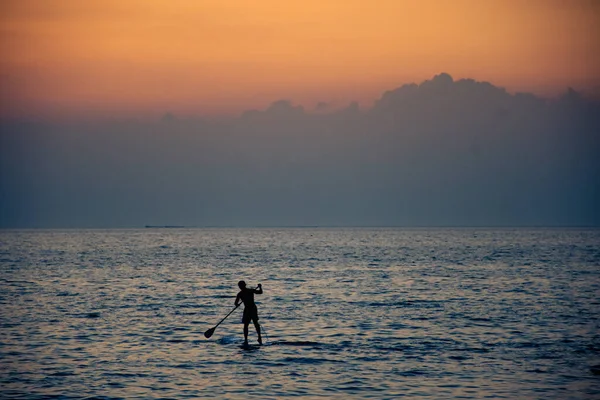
column 210, row 332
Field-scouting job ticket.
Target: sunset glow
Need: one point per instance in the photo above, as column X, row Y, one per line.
column 207, row 57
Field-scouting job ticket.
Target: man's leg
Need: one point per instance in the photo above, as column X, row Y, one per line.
column 257, row 326
column 246, row 331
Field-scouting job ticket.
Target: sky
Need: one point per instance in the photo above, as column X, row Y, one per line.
column 72, row 59
column 121, row 114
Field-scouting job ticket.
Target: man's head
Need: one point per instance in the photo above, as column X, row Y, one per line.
column 242, row 284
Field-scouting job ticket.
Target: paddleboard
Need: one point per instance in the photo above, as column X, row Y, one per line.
column 248, row 346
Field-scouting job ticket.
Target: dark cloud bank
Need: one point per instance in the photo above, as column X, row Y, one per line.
column 442, row 153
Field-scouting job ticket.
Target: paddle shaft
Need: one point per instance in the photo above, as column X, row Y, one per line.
column 224, row 318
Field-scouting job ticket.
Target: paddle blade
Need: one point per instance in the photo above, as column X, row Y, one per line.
column 209, row 333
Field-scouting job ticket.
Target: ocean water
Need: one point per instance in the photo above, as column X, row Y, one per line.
column 348, row 313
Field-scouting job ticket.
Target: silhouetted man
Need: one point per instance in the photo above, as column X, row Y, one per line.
column 246, row 296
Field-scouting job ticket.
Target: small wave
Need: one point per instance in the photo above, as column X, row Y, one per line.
column 117, row 374
column 66, row 294
column 536, row 371
column 458, row 358
column 92, row 315
column 185, row 366
column 227, row 340
column 387, row 349
column 526, row 345
column 309, row 360
column 475, row 350
column 62, row 373
column 411, row 372
column 479, row 319
column 296, row 343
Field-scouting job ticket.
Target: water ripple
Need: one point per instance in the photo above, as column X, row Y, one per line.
column 365, row 313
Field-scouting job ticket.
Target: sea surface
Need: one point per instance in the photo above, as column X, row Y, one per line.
column 348, row 313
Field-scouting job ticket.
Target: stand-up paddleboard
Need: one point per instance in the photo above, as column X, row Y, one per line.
column 250, row 346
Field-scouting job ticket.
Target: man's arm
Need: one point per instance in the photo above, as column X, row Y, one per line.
column 237, row 300
column 259, row 290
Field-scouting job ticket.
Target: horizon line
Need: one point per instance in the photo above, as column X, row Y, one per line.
column 167, row 227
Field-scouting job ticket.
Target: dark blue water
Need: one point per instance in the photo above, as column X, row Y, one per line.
column 365, row 313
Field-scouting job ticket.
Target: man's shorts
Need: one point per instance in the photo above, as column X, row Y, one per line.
column 250, row 314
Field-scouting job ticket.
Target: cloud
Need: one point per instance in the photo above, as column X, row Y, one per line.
column 322, row 106
column 442, row 152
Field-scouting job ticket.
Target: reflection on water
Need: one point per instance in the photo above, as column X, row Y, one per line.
column 376, row 313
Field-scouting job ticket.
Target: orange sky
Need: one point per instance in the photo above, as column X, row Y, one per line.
column 205, row 57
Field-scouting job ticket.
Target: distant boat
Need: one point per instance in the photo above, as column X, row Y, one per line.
column 164, row 226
